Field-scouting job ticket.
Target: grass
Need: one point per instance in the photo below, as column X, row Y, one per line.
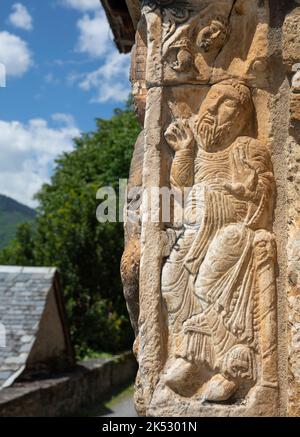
column 94, row 355
column 106, row 405
column 126, row 393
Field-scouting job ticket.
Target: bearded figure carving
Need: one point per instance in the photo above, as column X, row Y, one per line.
column 218, row 283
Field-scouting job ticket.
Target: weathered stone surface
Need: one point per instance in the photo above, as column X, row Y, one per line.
column 291, row 38
column 218, row 283
column 200, row 41
column 295, row 106
column 291, row 56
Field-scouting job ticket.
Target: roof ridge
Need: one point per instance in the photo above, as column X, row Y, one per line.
column 29, row 270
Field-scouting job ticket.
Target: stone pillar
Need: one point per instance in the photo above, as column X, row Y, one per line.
column 214, row 298
column 291, row 57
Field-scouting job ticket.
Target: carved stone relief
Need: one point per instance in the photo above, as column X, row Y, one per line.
column 199, row 38
column 204, row 300
column 217, row 283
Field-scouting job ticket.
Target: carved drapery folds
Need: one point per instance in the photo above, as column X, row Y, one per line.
column 207, row 314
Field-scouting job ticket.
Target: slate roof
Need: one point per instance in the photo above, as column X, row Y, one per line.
column 23, row 294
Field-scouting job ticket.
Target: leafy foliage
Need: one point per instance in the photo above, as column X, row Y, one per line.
column 67, row 235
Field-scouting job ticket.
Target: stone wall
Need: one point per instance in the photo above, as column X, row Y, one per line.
column 66, row 394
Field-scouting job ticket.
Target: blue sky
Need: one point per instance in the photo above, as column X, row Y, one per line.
column 63, row 71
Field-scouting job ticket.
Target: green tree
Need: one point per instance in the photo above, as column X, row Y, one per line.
column 21, row 250
column 67, row 234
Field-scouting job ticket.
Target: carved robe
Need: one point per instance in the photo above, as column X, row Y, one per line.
column 208, row 281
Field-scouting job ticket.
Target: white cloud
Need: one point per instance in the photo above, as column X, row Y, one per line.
column 94, row 35
column 82, row 5
column 51, row 79
column 28, row 152
column 110, row 81
column 65, row 119
column 14, row 54
column 20, row 17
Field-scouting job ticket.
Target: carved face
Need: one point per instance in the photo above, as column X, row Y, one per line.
column 212, row 37
column 223, row 115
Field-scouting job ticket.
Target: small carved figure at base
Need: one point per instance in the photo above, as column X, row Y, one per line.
column 219, row 389
column 178, row 374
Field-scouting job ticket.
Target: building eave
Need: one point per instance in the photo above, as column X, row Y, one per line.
column 123, row 16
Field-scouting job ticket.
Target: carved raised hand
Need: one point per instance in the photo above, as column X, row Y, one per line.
column 179, row 136
column 244, row 177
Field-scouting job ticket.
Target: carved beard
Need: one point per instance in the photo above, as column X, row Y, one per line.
column 210, row 134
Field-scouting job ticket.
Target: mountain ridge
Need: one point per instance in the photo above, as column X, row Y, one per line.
column 12, row 214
